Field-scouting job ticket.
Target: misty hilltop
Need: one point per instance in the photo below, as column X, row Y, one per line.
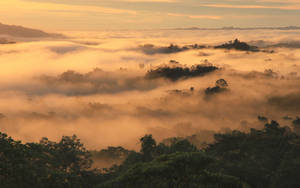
column 20, row 31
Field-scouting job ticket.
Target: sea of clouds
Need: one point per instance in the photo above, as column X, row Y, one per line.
column 93, row 84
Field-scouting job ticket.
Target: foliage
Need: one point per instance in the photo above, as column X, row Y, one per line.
column 109, row 157
column 111, row 152
column 296, row 125
column 175, row 73
column 254, row 157
column 220, row 86
column 238, row 45
column 267, row 158
column 188, row 169
column 150, row 49
column 45, row 164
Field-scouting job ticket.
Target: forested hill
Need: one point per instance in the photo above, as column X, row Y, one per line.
column 267, row 158
column 20, row 31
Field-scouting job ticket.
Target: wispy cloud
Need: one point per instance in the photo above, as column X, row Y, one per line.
column 213, row 17
column 48, row 6
column 147, row 14
column 283, row 7
column 151, row 1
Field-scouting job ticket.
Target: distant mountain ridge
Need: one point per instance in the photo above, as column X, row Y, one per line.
column 242, row 28
column 6, row 41
column 20, row 31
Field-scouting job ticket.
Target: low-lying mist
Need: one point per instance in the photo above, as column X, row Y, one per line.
column 95, row 85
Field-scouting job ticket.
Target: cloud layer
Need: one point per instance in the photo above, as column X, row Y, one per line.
column 93, row 85
column 148, row 14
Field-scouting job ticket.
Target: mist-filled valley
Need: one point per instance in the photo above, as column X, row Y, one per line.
column 112, row 88
column 95, row 85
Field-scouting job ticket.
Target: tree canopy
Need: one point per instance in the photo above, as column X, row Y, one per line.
column 266, row 158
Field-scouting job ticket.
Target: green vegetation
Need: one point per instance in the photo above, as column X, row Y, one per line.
column 238, row 45
column 220, row 86
column 267, row 158
column 177, row 72
column 46, row 164
column 150, row 49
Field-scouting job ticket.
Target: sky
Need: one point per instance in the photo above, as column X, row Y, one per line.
column 94, row 15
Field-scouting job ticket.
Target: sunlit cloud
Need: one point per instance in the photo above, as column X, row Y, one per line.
column 34, row 6
column 151, row 1
column 196, row 16
column 284, row 7
column 147, row 14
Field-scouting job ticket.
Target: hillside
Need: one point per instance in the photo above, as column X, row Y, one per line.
column 20, row 31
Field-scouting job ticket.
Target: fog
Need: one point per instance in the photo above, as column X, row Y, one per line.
column 93, row 85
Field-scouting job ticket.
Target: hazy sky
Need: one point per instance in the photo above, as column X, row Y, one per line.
column 148, row 14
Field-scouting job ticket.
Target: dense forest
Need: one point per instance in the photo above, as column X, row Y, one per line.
column 176, row 71
column 238, row 45
column 264, row 158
